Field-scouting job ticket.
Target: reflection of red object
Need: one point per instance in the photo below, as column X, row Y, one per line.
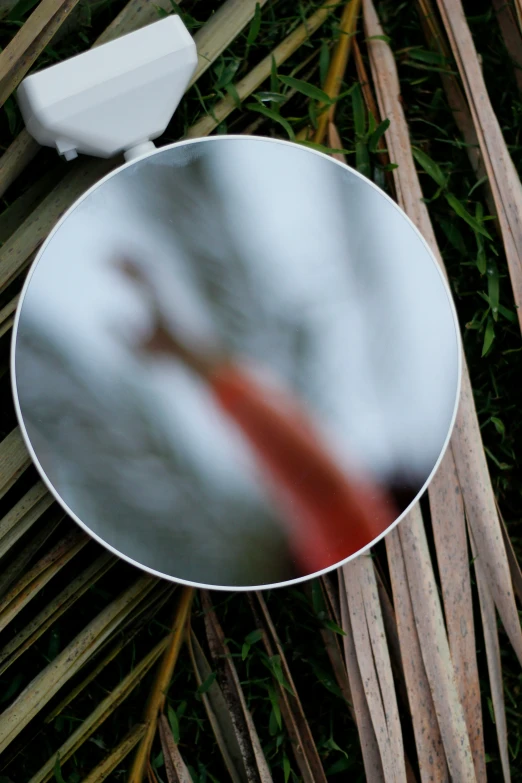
column 331, row 517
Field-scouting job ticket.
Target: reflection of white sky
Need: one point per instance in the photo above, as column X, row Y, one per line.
column 314, row 245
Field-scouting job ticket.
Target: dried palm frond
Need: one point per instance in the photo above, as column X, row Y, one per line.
column 30, row 41
column 503, row 179
column 405, row 669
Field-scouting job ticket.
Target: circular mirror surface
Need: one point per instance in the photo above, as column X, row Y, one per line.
column 236, row 362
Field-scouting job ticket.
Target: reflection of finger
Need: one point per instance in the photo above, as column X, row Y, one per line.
column 134, row 272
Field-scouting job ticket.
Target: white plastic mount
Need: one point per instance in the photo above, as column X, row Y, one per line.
column 114, row 98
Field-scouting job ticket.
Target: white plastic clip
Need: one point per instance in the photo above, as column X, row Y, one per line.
column 114, row 98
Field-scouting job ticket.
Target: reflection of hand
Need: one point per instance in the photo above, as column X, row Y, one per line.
column 161, row 339
column 329, row 515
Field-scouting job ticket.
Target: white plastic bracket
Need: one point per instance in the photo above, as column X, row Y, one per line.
column 114, row 98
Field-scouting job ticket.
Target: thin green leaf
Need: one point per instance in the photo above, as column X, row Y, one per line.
column 384, row 38
column 489, row 336
column 203, row 688
column 20, row 9
column 173, row 723
column 274, row 116
column 376, row 135
column 255, row 26
column 231, row 90
column 323, row 148
column 424, row 56
column 359, row 116
column 334, row 627
column 493, row 288
column 453, row 235
column 254, row 636
column 266, row 96
column 274, row 664
column 286, row 768
column 324, row 61
column 499, row 425
column 310, row 90
column 362, row 158
column 459, row 208
column 225, row 74
column 429, row 166
column 58, row 771
column 275, row 706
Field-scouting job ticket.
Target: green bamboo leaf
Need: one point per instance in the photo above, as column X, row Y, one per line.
column 274, row 116
column 429, row 166
column 425, row 56
column 489, row 336
column 266, row 96
column 359, row 115
column 310, row 90
column 493, row 289
column 20, row 9
column 459, row 208
column 173, row 723
column 334, row 627
column 58, row 771
column 499, row 425
column 323, row 148
column 286, row 768
column 225, row 73
column 362, row 158
column 232, row 91
column 324, row 61
column 204, row 687
column 453, row 234
column 255, row 26
column 376, row 135
column 276, row 710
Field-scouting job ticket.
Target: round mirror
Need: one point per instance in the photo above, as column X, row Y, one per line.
column 236, row 362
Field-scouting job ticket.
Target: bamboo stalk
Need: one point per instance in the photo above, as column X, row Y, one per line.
column 219, row 716
column 428, row 741
column 373, row 763
column 512, row 36
column 159, row 689
column 100, row 714
column 18, row 644
column 303, row 745
column 39, row 575
column 374, row 664
column 14, row 459
column 339, row 61
column 466, row 443
column 49, row 681
column 116, row 756
column 261, row 72
column 23, row 515
column 434, row 646
column 220, row 30
column 249, row 744
column 151, row 603
column 489, row 626
column 449, row 528
column 29, row 42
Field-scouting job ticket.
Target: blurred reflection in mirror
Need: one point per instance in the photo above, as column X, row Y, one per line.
column 236, row 362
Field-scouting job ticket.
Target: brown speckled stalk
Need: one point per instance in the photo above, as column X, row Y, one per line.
column 428, row 741
column 449, row 528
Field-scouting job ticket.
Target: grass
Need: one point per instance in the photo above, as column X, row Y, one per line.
column 479, row 279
